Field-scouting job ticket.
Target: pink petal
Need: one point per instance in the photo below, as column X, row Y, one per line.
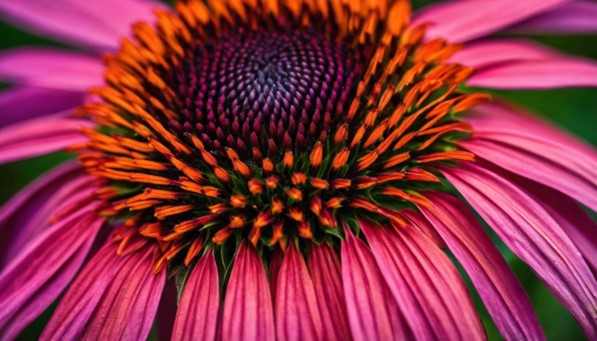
column 33, row 280
column 570, row 216
column 537, row 74
column 95, row 24
column 424, row 226
column 197, row 315
column 534, row 236
column 325, row 269
column 574, row 17
column 488, row 52
column 535, row 152
column 459, row 21
column 40, row 136
column 498, row 287
column 248, row 312
column 28, row 213
column 424, row 282
column 51, row 68
column 297, row 315
column 23, row 103
column 114, row 297
column 372, row 310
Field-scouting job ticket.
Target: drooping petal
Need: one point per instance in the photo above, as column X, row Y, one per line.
column 529, row 150
column 29, row 212
column 40, row 136
column 534, row 236
column 574, row 17
column 114, row 297
column 325, row 269
column 22, row 103
column 33, row 280
column 504, row 297
column 197, row 315
column 489, row 52
column 557, row 73
column 464, row 20
column 94, row 24
column 424, row 282
column 248, row 312
column 372, row 310
column 423, row 224
column 570, row 216
column 51, row 68
column 297, row 315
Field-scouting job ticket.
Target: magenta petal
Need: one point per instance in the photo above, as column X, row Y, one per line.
column 33, row 280
column 95, row 24
column 248, row 312
column 504, row 297
column 40, row 136
column 570, row 216
column 525, row 147
column 28, row 213
column 324, row 265
column 464, row 20
column 113, row 298
column 23, row 103
column 372, row 310
column 51, row 68
column 532, row 234
column 197, row 315
column 488, row 52
column 573, row 17
column 297, row 314
column 424, row 282
column 537, row 74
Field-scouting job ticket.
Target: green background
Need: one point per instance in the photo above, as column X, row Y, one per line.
column 572, row 109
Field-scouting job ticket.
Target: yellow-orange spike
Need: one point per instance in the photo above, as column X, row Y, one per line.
column 365, row 182
column 335, row 202
column 392, row 176
column 267, row 165
column 218, row 208
column 272, row 182
column 376, row 134
column 471, row 101
column 358, row 136
column 211, row 191
column 236, row 222
column 208, row 158
column 288, row 159
column 277, row 232
column 298, row 178
column 222, row 174
column 238, row 201
column 340, row 159
column 255, row 186
column 367, row 160
column 417, row 174
column 153, row 230
column 192, row 224
column 263, row 219
column 277, row 206
column 396, row 160
column 193, row 251
column 295, row 213
column 453, row 155
column 191, row 186
column 241, row 167
column 163, row 212
column 294, row 194
column 319, row 183
column 327, row 219
column 316, row 155
column 221, row 236
column 341, row 134
column 341, row 183
column 304, row 229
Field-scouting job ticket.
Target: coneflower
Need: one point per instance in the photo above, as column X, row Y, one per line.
column 293, row 168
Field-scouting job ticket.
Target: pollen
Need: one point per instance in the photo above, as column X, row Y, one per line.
column 271, row 122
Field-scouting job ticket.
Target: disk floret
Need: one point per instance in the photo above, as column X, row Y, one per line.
column 276, row 124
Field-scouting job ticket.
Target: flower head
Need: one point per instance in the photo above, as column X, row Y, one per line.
column 292, row 167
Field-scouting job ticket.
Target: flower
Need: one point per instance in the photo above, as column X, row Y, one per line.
column 293, row 169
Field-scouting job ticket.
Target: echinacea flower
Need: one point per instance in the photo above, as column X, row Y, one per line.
column 295, row 169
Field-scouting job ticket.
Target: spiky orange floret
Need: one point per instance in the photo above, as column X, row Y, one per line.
column 366, row 143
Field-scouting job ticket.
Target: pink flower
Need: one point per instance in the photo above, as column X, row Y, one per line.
column 292, row 169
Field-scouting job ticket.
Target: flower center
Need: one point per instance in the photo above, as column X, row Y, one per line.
column 265, row 90
column 272, row 124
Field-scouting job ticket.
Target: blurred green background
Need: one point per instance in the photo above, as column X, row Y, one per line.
column 572, row 109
